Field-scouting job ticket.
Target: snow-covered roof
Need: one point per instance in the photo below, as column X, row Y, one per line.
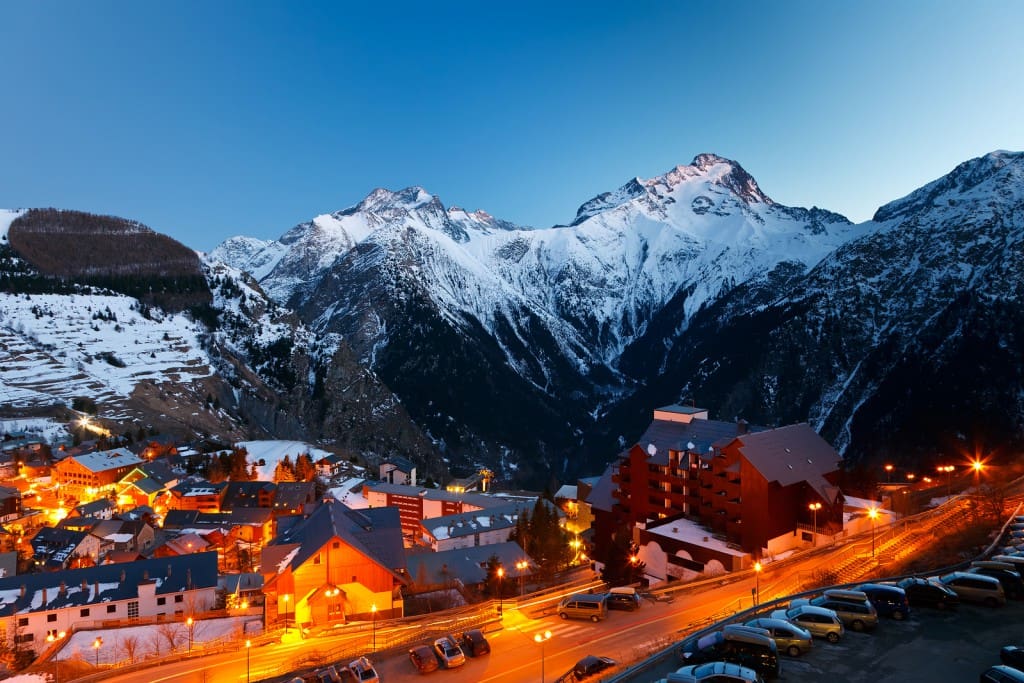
column 102, row 461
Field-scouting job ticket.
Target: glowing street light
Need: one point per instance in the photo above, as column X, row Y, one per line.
column 888, row 473
column 373, row 612
column 542, row 638
column 248, row 647
column 190, row 624
column 948, row 469
column 286, row 612
column 977, row 466
column 96, row 644
column 757, row 583
column 873, row 514
column 814, row 507
column 501, row 585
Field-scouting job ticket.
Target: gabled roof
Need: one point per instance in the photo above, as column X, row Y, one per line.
column 374, row 532
column 696, row 436
column 239, row 494
column 404, row 464
column 466, row 564
column 293, row 494
column 53, row 547
column 102, row 461
column 94, row 507
column 470, row 523
column 105, row 583
column 601, row 497
column 791, row 454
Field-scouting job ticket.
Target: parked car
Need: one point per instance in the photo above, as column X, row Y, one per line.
column 924, row 593
column 584, row 606
column 363, row 671
column 744, row 645
column 448, row 652
column 623, row 598
column 588, row 666
column 423, row 658
column 1012, row 655
column 889, row 601
column 473, row 643
column 858, row 615
column 822, row 623
column 1001, row 674
column 788, row 637
column 976, row 588
column 327, row 674
column 714, row 672
column 1007, row 574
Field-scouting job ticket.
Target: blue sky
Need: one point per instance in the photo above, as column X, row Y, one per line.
column 209, row 119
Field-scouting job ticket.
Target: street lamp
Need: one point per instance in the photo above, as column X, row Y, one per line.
column 977, row 466
column 522, row 566
column 542, row 638
column 757, row 583
column 248, row 647
column 96, row 649
column 286, row 613
column 501, row 585
column 814, row 507
column 888, row 473
column 373, row 612
column 873, row 514
column 948, row 469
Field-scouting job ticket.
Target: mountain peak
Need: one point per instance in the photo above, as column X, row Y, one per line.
column 1001, row 168
column 731, row 175
column 408, row 199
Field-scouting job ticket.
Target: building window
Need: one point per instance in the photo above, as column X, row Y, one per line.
column 111, row 609
column 83, row 612
column 336, row 545
column 133, row 609
column 24, row 638
column 161, row 601
column 316, row 560
column 51, row 617
column 179, row 598
column 23, row 621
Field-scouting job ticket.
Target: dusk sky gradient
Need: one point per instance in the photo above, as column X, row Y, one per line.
column 210, row 119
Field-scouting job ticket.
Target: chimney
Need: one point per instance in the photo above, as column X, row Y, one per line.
column 742, row 427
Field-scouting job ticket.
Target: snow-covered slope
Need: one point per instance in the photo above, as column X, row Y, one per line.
column 58, row 347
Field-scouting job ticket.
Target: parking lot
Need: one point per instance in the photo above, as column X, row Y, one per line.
column 930, row 646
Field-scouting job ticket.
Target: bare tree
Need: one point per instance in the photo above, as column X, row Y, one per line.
column 130, row 646
column 171, row 634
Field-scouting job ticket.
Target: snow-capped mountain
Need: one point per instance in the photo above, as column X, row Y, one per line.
column 400, row 325
column 459, row 311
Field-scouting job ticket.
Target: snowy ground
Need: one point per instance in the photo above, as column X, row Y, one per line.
column 154, row 640
column 41, row 428
column 273, row 452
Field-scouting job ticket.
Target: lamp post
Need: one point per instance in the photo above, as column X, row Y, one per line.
column 286, row 613
column 373, row 612
column 501, row 585
column 873, row 514
column 814, row 507
column 189, row 621
column 888, row 473
column 948, row 469
column 757, row 583
column 248, row 647
column 522, row 566
column 977, row 466
column 542, row 638
column 96, row 649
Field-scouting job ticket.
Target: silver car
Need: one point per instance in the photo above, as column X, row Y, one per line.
column 790, row 638
column 449, row 652
column 821, row 622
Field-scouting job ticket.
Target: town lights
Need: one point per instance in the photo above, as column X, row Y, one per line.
column 248, row 646
column 373, row 612
column 888, row 473
column 190, row 622
column 757, row 583
column 521, row 566
column 96, row 644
